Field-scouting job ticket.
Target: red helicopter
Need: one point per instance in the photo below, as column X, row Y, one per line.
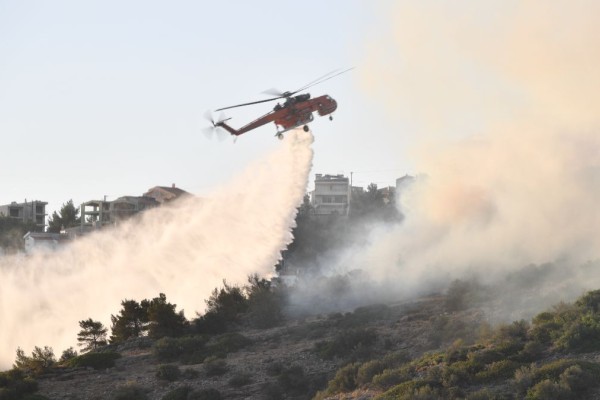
column 296, row 110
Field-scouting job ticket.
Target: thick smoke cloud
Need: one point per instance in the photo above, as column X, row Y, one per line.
column 503, row 101
column 184, row 251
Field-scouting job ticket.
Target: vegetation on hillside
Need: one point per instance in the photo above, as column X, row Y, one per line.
column 536, row 360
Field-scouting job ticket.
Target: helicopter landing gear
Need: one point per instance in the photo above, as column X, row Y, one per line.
column 279, row 136
column 305, row 128
column 331, row 117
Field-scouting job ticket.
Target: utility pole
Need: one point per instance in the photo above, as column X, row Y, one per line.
column 350, row 193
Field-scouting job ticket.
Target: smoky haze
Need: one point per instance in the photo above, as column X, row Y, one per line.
column 184, row 251
column 503, row 101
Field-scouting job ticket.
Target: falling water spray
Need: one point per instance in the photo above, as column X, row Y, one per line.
column 184, row 250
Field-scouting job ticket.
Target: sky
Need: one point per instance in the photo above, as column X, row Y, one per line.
column 106, row 98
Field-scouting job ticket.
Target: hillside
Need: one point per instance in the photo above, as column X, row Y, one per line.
column 279, row 362
column 420, row 349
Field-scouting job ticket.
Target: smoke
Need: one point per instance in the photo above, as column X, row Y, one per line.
column 503, row 98
column 184, row 251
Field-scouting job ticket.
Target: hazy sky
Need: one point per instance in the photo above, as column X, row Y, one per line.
column 107, row 97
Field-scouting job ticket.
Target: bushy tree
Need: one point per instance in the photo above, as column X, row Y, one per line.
column 92, row 334
column 265, row 303
column 163, row 319
column 41, row 359
column 157, row 318
column 67, row 217
column 68, row 354
column 223, row 308
column 131, row 322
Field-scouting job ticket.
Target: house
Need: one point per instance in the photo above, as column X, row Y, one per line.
column 166, row 194
column 35, row 241
column 33, row 211
column 331, row 194
column 98, row 213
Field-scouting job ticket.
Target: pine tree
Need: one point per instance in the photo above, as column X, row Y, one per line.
column 92, row 334
column 131, row 322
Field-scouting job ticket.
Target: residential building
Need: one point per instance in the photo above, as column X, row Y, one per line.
column 95, row 213
column 98, row 213
column 33, row 211
column 330, row 195
column 43, row 241
column 166, row 194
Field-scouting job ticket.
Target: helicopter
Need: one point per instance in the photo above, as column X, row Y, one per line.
column 295, row 111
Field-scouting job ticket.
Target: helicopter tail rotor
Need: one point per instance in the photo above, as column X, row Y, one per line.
column 215, row 129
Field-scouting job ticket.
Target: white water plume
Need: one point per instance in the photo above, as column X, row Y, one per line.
column 184, row 251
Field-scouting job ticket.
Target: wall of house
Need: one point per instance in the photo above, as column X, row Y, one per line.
column 330, row 195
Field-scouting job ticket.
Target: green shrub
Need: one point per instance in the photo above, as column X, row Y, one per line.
column 14, row 384
column 226, row 343
column 130, row 391
column 581, row 336
column 368, row 370
column 549, row 390
column 497, row 370
column 348, row 343
column 485, row 356
column 168, row 372
column 180, row 393
column 532, row 351
column 524, row 378
column 589, row 302
column 392, row 377
column 293, row 380
column 460, row 373
column 215, row 366
column 205, row 394
column 552, row 370
column 577, row 379
column 240, row 379
column 94, row 360
column 426, row 393
column 483, row 394
column 188, row 349
column 343, row 381
column 403, row 391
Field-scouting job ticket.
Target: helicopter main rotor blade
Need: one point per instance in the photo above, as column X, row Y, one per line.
column 316, row 80
column 274, row 92
column 248, row 104
column 322, row 79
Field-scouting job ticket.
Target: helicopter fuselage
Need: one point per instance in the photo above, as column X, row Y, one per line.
column 294, row 112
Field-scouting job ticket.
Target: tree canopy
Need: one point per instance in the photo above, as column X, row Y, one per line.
column 92, row 334
column 67, row 217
